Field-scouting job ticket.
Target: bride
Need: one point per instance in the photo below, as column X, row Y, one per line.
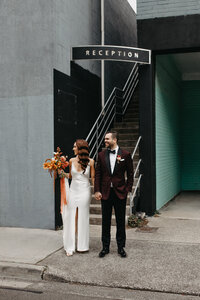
column 81, row 168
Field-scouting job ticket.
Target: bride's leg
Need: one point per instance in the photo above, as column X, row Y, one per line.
column 76, row 221
column 69, row 229
column 83, row 227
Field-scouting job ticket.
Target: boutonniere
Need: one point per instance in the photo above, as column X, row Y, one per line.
column 119, row 158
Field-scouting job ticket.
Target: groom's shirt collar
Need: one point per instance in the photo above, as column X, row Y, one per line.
column 113, row 158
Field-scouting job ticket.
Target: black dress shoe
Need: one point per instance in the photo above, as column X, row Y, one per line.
column 103, row 252
column 122, row 252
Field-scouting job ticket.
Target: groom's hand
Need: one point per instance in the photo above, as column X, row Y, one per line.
column 98, row 196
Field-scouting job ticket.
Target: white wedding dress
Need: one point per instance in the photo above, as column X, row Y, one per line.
column 79, row 196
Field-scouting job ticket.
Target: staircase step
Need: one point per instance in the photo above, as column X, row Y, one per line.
column 128, row 136
column 128, row 143
column 125, row 130
column 97, row 202
column 133, row 105
column 94, row 201
column 134, row 125
column 132, row 114
column 135, row 100
column 133, row 109
column 130, row 119
column 96, row 220
column 129, row 149
column 95, row 209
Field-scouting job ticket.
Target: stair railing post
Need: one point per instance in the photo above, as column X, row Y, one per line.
column 97, row 138
column 119, row 105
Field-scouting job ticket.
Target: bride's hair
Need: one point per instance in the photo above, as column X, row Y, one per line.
column 83, row 153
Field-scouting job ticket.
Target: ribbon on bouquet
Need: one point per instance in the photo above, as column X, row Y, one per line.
column 63, row 199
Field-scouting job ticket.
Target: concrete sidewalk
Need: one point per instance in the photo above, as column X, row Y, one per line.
column 165, row 257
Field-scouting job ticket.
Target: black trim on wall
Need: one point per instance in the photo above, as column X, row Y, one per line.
column 147, row 131
column 168, row 33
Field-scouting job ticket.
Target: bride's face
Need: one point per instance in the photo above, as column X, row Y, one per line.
column 75, row 149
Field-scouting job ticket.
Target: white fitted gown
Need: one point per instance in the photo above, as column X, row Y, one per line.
column 79, row 196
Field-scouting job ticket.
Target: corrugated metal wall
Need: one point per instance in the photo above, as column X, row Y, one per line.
column 147, row 9
column 190, row 148
column 168, row 158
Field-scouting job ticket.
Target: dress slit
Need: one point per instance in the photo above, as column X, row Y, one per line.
column 76, row 221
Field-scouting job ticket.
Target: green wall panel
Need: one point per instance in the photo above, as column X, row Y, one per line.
column 190, row 138
column 168, row 121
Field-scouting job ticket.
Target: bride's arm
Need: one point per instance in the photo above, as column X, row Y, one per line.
column 92, row 171
column 69, row 175
column 62, row 173
column 70, row 166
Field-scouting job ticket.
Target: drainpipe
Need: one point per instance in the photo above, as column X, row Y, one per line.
column 102, row 61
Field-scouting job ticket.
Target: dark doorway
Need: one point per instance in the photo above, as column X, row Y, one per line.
column 76, row 106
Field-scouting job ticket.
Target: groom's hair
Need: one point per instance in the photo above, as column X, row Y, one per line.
column 114, row 134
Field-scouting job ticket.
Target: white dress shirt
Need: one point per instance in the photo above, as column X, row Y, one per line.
column 113, row 158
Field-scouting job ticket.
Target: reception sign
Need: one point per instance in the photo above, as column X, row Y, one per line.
column 106, row 52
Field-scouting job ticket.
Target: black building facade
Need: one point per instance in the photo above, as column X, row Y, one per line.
column 169, row 106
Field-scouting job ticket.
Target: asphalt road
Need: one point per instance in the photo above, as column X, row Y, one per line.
column 65, row 291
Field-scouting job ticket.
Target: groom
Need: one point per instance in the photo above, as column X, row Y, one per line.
column 112, row 188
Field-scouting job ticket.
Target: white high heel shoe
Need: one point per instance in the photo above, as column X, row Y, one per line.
column 69, row 253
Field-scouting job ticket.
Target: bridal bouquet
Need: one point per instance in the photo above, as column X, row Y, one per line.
column 57, row 164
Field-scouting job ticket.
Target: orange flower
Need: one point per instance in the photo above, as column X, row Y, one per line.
column 63, row 159
column 57, row 164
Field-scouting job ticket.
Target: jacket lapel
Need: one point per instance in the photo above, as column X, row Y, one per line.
column 116, row 164
column 108, row 161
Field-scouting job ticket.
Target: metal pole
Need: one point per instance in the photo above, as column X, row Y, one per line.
column 102, row 61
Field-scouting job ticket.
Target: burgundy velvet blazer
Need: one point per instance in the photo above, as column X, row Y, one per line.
column 103, row 176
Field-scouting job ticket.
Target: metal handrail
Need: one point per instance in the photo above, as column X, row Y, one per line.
column 139, row 162
column 131, row 77
column 105, row 119
column 135, row 65
column 136, row 146
column 132, row 196
column 101, row 113
column 125, row 104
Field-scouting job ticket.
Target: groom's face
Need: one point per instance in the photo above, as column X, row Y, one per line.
column 109, row 141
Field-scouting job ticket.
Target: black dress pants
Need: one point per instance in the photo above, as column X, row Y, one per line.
column 120, row 211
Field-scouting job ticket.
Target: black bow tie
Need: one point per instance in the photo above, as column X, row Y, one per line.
column 111, row 151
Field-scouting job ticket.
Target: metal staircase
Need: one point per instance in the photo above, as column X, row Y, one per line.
column 121, row 112
column 128, row 131
column 114, row 110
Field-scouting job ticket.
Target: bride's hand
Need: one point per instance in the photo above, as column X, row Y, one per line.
column 98, row 196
